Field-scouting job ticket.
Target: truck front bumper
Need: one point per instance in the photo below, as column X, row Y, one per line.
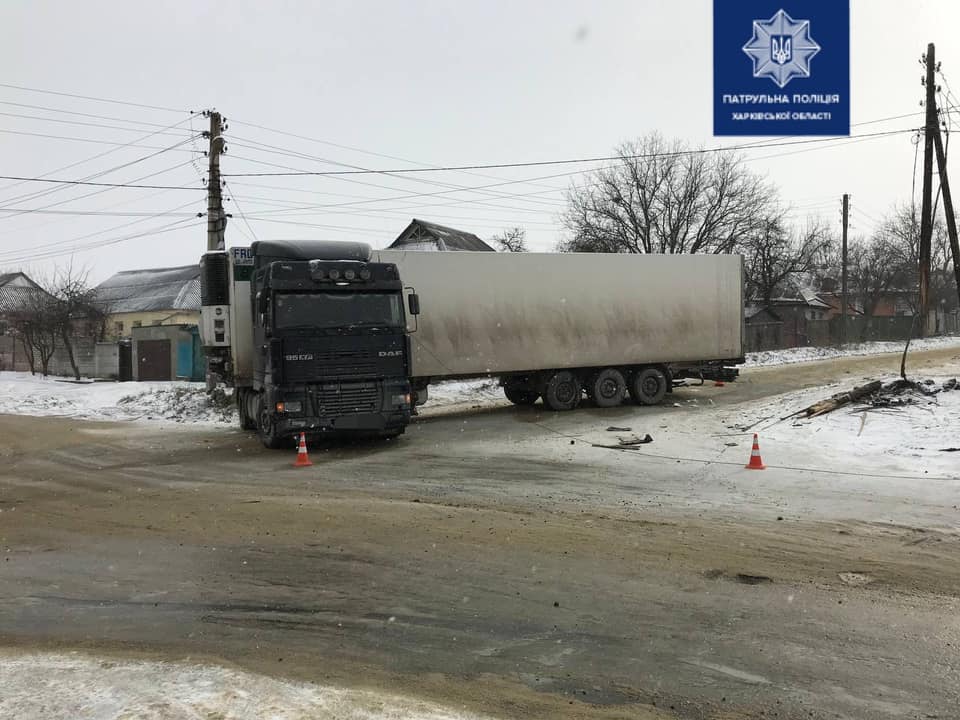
column 358, row 423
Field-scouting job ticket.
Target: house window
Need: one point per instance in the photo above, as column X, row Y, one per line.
column 118, row 327
column 137, row 323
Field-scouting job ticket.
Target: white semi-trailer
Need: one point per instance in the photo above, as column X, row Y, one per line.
column 336, row 337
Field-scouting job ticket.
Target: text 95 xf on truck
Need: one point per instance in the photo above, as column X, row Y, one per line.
column 329, row 337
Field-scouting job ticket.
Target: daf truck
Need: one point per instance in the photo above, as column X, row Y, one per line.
column 335, row 337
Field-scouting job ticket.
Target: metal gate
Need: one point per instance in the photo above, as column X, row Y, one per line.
column 125, row 361
column 153, row 358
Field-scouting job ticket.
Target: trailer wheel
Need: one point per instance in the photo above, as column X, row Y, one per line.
column 607, row 388
column 520, row 395
column 267, row 429
column 648, row 386
column 563, row 391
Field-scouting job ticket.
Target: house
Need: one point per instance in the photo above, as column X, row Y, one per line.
column 426, row 236
column 16, row 291
column 798, row 316
column 143, row 298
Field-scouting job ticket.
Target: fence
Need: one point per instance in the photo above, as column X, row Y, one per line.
column 800, row 332
column 94, row 359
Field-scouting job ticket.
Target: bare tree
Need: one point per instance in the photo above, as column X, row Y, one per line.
column 511, row 240
column 664, row 197
column 874, row 270
column 36, row 322
column 775, row 254
column 76, row 310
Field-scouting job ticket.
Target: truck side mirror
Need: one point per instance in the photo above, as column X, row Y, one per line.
column 413, row 300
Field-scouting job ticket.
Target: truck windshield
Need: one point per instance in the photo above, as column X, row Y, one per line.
column 334, row 310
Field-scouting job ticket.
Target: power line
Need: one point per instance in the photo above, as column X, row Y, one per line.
column 91, row 213
column 102, row 154
column 98, row 184
column 79, row 123
column 94, row 99
column 101, row 173
column 91, row 194
column 293, row 153
column 177, row 225
column 343, row 178
column 142, row 123
column 348, row 147
column 78, row 139
column 477, row 201
column 70, row 241
column 243, row 217
column 570, row 161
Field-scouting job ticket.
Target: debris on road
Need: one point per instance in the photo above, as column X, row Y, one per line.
column 876, row 395
column 840, row 399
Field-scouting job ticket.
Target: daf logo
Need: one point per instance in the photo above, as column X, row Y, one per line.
column 390, row 353
column 303, row 356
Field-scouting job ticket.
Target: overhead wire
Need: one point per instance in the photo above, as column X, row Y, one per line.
column 92, row 98
column 81, row 123
column 104, row 153
column 356, row 168
column 569, row 161
column 112, row 118
column 70, row 241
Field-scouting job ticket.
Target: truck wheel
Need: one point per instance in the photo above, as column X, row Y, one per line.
column 648, row 386
column 563, row 391
column 268, row 430
column 246, row 422
column 607, row 388
column 520, row 395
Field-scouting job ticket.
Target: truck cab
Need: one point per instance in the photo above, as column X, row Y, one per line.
column 328, row 347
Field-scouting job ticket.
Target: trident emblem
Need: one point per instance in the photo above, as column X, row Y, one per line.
column 781, row 49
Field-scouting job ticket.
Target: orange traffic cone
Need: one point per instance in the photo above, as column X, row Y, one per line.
column 302, row 459
column 756, row 462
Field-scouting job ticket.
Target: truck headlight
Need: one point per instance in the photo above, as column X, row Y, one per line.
column 290, row 406
column 403, row 399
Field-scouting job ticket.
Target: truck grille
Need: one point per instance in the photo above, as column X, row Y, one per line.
column 344, row 398
column 346, row 362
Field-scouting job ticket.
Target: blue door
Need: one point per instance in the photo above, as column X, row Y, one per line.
column 185, row 359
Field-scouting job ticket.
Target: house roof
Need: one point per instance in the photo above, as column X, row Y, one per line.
column 176, row 288
column 15, row 289
column 445, row 238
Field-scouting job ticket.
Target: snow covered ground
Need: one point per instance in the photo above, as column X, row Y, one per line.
column 182, row 402
column 908, row 442
column 48, row 686
column 807, row 354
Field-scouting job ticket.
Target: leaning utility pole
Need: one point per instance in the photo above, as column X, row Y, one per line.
column 926, row 208
column 843, row 271
column 948, row 207
column 216, row 219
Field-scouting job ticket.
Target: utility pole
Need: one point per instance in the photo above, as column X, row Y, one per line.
column 948, row 207
column 843, row 271
column 926, row 209
column 216, row 219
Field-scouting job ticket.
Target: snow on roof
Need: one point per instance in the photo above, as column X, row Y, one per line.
column 176, row 288
column 446, row 238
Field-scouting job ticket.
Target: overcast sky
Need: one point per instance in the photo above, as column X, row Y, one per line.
column 438, row 83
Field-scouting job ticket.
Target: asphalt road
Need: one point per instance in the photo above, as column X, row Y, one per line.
column 488, row 560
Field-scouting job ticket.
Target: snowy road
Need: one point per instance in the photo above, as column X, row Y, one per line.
column 496, row 563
